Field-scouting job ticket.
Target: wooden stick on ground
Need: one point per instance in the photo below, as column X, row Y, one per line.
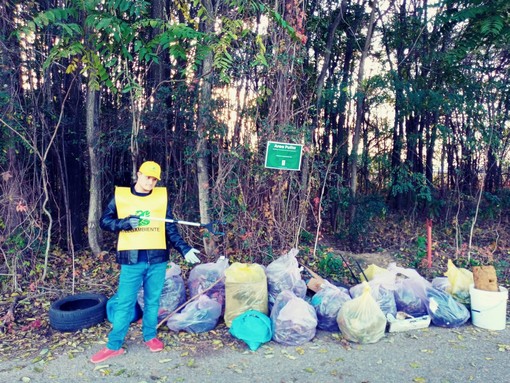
column 189, row 300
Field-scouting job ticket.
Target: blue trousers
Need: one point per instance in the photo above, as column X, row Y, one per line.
column 132, row 277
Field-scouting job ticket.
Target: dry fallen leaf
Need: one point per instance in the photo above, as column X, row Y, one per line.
column 191, row 363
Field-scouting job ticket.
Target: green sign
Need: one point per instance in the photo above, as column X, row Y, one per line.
column 285, row 156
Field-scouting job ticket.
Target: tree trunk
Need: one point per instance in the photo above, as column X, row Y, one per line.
column 94, row 234
column 204, row 118
column 360, row 97
column 327, row 59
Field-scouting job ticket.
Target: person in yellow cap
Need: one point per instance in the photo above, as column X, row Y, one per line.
column 143, row 254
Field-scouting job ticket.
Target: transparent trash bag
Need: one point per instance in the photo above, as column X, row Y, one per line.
column 294, row 320
column 200, row 315
column 284, row 274
column 173, row 294
column 204, row 275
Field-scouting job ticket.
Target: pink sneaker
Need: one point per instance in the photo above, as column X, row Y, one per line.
column 155, row 345
column 105, row 354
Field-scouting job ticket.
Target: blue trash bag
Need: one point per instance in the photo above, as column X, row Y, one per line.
column 445, row 310
column 252, row 327
column 327, row 302
column 111, row 306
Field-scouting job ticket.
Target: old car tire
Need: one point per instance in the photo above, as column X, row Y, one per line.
column 78, row 311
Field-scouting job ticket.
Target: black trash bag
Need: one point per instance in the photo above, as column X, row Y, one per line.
column 410, row 292
column 408, row 302
column 445, row 310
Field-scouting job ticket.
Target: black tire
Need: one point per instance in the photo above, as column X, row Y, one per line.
column 78, row 311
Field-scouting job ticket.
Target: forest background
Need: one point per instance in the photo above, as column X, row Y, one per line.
column 402, row 108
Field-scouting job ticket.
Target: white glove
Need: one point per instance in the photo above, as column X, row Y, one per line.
column 191, row 257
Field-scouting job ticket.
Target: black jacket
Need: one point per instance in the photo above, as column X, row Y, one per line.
column 110, row 222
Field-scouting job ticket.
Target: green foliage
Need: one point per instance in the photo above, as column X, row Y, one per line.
column 411, row 183
column 491, row 207
column 306, row 237
column 54, row 17
column 485, row 24
column 329, row 265
column 236, row 34
column 367, row 208
column 502, row 266
column 420, row 252
column 111, row 36
column 435, row 207
column 15, row 243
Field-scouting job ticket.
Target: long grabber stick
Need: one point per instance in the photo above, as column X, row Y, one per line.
column 208, row 226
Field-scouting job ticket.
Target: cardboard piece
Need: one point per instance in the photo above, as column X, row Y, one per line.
column 485, row 278
column 315, row 283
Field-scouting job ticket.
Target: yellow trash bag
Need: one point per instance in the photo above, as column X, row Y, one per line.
column 371, row 271
column 245, row 289
column 459, row 279
column 361, row 319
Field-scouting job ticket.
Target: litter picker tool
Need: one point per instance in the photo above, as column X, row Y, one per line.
column 349, row 267
column 208, row 226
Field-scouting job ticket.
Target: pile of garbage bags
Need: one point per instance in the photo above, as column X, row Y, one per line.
column 259, row 304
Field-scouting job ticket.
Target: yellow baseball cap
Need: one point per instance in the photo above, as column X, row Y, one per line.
column 151, row 169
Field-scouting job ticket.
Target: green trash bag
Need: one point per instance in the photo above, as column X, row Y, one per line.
column 253, row 327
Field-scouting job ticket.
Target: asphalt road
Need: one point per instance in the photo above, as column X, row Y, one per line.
column 431, row 355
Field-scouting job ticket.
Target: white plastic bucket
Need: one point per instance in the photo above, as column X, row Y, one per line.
column 488, row 308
